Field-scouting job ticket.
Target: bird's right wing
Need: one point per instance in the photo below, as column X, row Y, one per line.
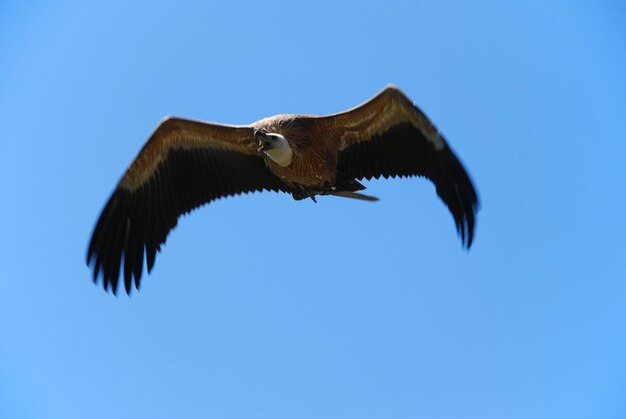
column 183, row 165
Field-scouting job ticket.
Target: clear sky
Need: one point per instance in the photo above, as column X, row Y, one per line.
column 263, row 307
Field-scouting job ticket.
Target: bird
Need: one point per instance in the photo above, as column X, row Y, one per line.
column 188, row 163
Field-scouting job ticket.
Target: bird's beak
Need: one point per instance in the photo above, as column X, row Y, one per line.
column 264, row 139
column 259, row 133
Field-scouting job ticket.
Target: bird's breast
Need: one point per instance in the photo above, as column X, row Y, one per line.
column 306, row 169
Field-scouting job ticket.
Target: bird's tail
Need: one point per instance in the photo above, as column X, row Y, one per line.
column 355, row 195
column 348, row 187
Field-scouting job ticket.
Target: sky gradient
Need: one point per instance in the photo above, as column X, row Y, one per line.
column 263, row 307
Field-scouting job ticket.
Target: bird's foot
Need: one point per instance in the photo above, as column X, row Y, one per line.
column 303, row 193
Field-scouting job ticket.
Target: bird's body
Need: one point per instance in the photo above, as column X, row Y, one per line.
column 312, row 164
column 187, row 163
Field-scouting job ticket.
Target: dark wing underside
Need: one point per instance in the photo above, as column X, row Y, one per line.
column 402, row 150
column 136, row 223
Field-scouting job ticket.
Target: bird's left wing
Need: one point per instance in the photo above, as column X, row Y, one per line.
column 389, row 136
column 183, row 165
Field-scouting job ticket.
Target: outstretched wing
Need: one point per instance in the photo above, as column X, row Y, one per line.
column 183, row 165
column 389, row 136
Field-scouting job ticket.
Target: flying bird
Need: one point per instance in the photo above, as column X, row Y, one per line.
column 187, row 163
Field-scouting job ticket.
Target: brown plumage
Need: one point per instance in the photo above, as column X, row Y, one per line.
column 185, row 164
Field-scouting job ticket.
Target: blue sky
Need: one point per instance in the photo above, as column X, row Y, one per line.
column 263, row 307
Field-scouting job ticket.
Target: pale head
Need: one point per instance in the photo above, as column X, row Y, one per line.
column 275, row 146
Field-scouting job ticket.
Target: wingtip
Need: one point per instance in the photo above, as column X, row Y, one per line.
column 468, row 224
column 468, row 233
column 460, row 196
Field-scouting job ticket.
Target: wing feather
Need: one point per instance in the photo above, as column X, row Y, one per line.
column 183, row 165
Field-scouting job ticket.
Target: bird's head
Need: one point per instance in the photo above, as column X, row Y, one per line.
column 275, row 146
column 266, row 140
